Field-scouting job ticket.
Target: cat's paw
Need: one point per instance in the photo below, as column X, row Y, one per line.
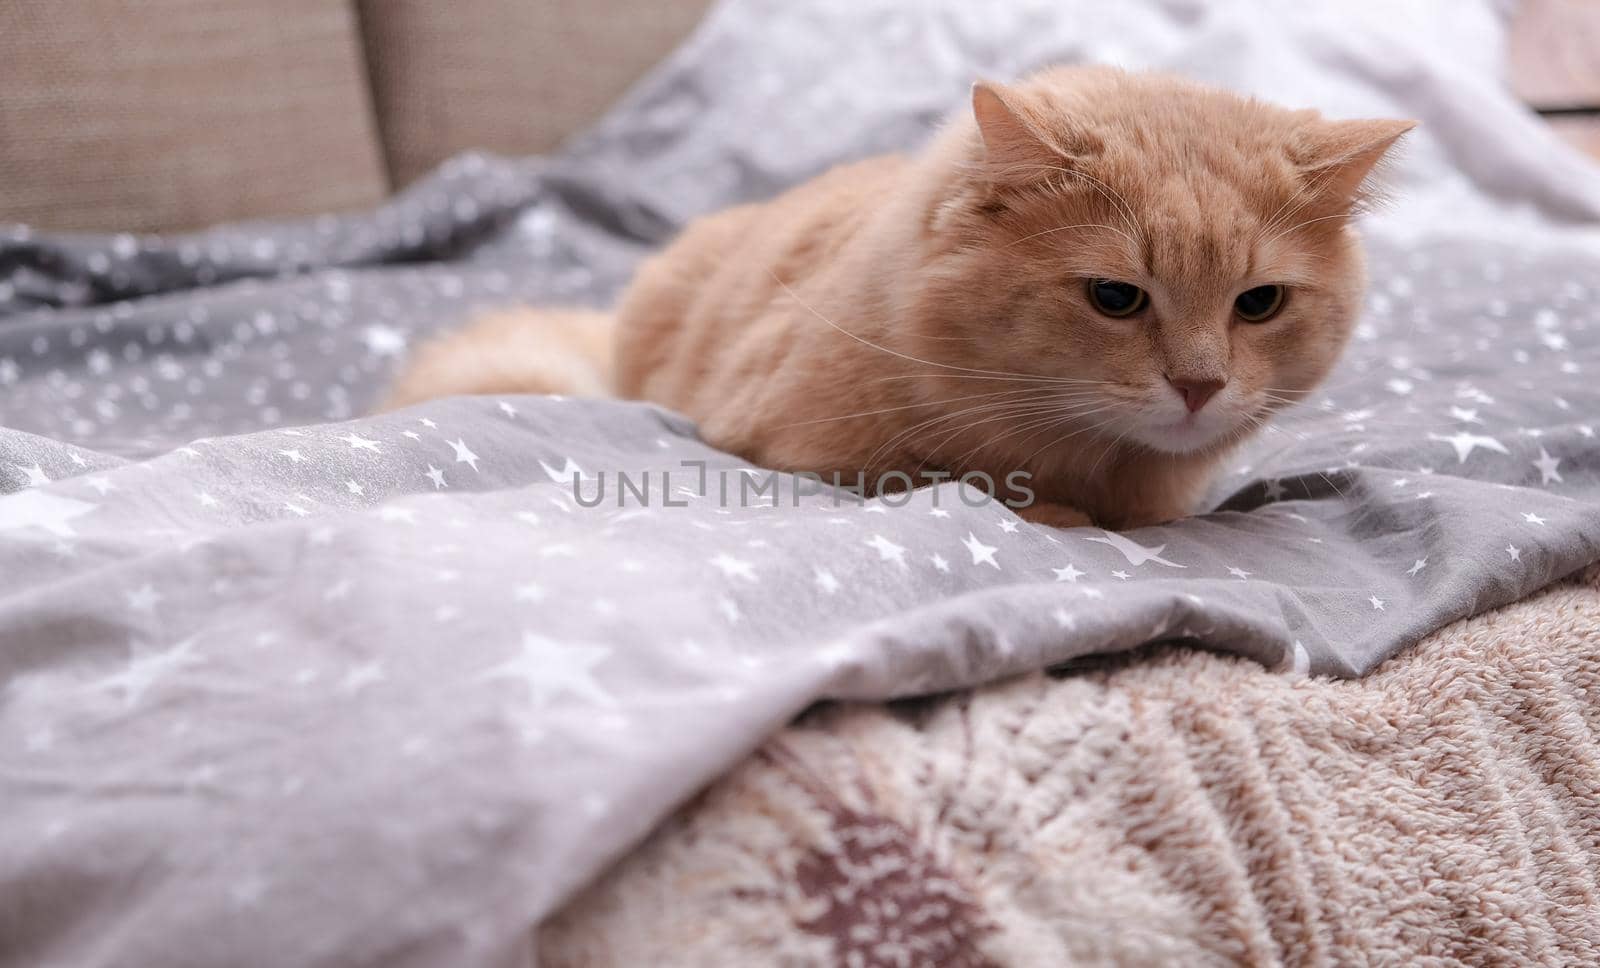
column 1054, row 515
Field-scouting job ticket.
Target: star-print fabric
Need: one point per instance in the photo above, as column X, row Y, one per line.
column 285, row 684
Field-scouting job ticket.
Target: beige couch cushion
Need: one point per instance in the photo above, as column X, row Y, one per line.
column 161, row 114
column 510, row 76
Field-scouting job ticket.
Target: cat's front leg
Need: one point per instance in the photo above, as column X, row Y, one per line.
column 1054, row 515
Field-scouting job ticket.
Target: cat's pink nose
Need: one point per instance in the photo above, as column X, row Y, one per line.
column 1196, row 392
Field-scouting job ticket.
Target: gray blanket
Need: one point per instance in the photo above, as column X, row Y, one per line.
column 285, row 685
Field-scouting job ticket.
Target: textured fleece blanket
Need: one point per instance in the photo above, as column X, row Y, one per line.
column 287, row 685
column 1166, row 807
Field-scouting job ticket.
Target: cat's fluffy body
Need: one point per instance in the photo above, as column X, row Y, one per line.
column 931, row 313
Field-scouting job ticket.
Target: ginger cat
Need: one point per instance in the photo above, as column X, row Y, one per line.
column 1104, row 279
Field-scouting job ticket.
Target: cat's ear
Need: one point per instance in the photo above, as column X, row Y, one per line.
column 1335, row 157
column 1017, row 144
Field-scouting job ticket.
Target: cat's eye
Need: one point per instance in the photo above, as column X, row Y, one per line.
column 1116, row 299
column 1259, row 304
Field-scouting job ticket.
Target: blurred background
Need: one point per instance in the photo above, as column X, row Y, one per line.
column 155, row 115
column 163, row 115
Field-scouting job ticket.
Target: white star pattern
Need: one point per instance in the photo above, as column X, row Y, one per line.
column 146, row 666
column 247, row 893
column 569, row 470
column 530, row 591
column 547, row 670
column 358, row 442
column 734, row 567
column 981, row 553
column 1547, row 466
column 362, row 676
column 294, row 343
column 1465, row 443
column 384, row 340
column 887, row 550
column 1136, row 553
column 144, row 599
column 1300, row 659
column 464, row 454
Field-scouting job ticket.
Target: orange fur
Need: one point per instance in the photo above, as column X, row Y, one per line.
column 931, row 313
column 512, row 351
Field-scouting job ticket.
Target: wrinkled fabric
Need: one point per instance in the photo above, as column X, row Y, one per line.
column 284, row 684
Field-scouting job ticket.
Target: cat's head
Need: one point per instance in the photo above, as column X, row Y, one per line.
column 1179, row 259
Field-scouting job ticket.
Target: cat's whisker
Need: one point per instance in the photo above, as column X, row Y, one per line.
column 1122, row 208
column 909, row 406
column 1062, row 381
column 1293, row 435
column 1028, row 461
column 1044, row 424
column 908, row 432
column 1043, row 419
column 1051, row 409
column 1300, row 225
column 1129, row 216
column 868, row 343
column 1014, row 414
column 1372, row 420
column 1068, row 228
column 1307, row 190
column 1361, row 509
column 1113, row 446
